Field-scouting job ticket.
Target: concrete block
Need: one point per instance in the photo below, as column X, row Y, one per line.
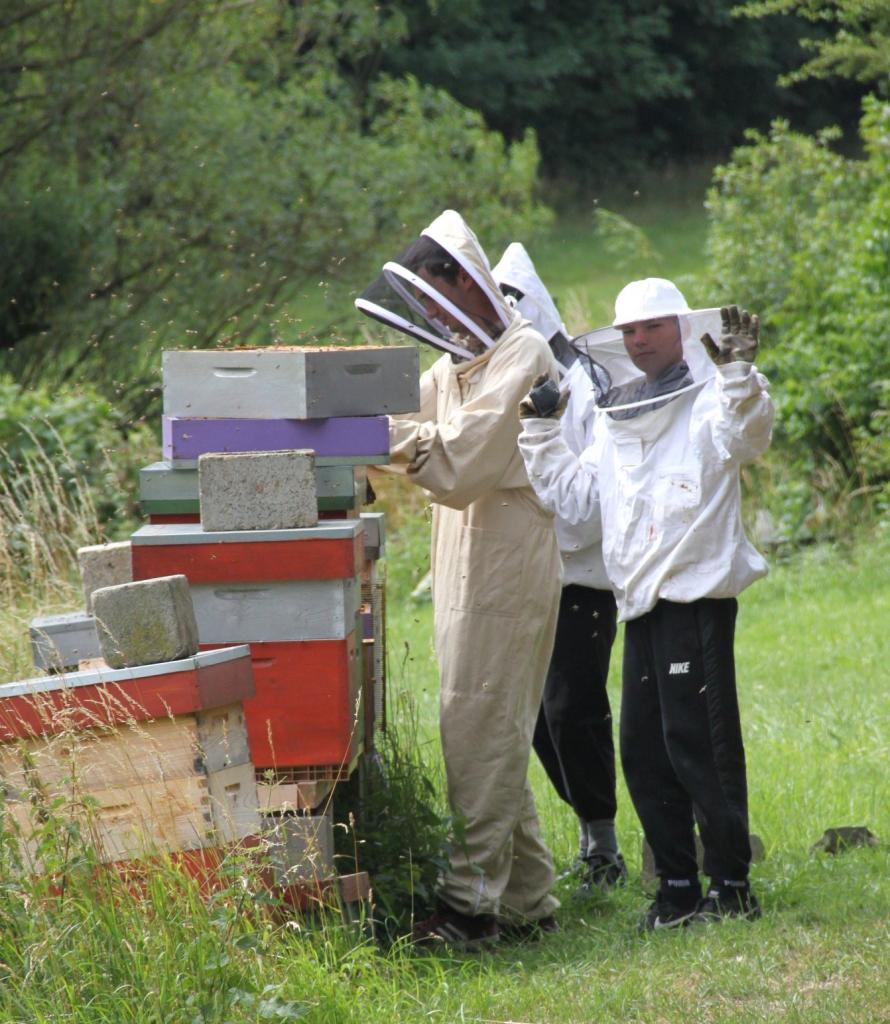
column 647, row 872
column 258, row 491
column 363, row 439
column 104, row 565
column 62, row 642
column 301, row 846
column 291, row 382
column 147, row 622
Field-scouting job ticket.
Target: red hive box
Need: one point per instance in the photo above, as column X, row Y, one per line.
column 334, row 550
column 104, row 697
column 307, row 710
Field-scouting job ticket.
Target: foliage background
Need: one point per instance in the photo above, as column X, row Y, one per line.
column 176, row 172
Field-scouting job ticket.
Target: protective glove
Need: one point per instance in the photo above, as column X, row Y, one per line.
column 545, row 400
column 739, row 337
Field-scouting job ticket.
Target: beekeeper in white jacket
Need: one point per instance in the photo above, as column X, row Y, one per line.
column 573, row 735
column 681, row 417
column 495, row 572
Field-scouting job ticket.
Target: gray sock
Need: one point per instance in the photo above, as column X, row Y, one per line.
column 601, row 839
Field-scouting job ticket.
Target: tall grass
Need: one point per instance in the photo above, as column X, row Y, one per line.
column 46, row 514
column 812, row 654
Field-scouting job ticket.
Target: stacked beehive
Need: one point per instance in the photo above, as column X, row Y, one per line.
column 306, row 598
column 147, row 751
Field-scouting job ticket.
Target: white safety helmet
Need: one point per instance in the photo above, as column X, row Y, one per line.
column 648, row 299
column 651, row 299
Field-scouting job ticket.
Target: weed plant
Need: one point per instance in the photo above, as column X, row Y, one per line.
column 43, row 520
column 400, row 828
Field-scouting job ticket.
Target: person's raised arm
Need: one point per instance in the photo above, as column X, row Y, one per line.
column 740, row 425
column 474, row 450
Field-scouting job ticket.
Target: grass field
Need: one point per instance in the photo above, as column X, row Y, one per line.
column 812, row 649
column 813, row 654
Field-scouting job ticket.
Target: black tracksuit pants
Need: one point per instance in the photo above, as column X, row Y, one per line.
column 573, row 734
column 681, row 738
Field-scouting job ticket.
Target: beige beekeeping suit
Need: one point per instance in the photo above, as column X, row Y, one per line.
column 496, row 583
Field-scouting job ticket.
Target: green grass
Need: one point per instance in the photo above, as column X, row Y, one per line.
column 812, row 654
column 812, row 651
column 584, row 273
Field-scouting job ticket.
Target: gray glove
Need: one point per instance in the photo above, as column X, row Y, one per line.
column 545, row 400
column 739, row 337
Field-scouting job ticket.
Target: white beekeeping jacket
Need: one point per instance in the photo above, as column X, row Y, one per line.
column 579, row 544
column 665, row 481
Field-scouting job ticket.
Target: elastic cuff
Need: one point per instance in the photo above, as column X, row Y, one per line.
column 736, row 370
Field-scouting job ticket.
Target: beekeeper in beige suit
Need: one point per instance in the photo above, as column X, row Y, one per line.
column 495, row 572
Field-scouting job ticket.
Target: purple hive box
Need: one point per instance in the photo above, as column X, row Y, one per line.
column 366, row 437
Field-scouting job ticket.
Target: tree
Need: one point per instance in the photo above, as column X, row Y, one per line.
column 611, row 88
column 189, row 172
column 858, row 48
column 576, row 71
column 799, row 233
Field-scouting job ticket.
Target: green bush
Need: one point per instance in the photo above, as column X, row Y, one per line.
column 80, row 436
column 802, row 235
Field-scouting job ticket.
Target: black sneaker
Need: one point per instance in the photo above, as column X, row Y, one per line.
column 528, row 931
column 449, row 927
column 601, row 873
column 665, row 914
column 730, row 901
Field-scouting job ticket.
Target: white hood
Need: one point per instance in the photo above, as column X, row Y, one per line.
column 401, row 298
column 453, row 233
column 516, row 270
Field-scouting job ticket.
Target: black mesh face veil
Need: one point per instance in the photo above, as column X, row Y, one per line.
column 628, row 392
column 598, row 374
column 400, row 298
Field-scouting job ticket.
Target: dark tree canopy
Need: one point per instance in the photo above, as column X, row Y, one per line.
column 610, row 85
